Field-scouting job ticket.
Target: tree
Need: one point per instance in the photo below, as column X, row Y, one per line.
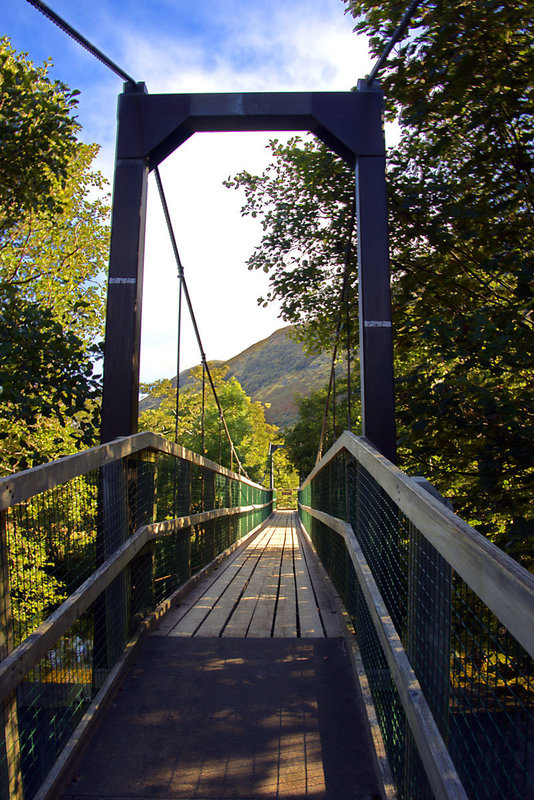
column 305, row 200
column 51, row 278
column 47, row 377
column 245, row 418
column 302, row 438
column 461, row 187
column 59, row 260
column 38, row 136
column 53, row 247
column 53, row 250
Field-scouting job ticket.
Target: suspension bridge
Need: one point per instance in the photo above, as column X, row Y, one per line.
column 204, row 644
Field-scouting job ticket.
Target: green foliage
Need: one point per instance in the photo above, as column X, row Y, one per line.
column 462, row 196
column 47, row 375
column 59, row 260
column 285, row 476
column 53, row 251
column 461, row 188
column 305, row 202
column 53, row 248
column 302, row 438
column 245, row 418
column 38, row 136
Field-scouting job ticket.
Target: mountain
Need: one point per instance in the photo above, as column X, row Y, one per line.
column 273, row 371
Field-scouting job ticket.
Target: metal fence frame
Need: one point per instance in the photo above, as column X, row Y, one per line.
column 132, row 547
column 506, row 588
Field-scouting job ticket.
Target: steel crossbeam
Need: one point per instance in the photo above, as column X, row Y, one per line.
column 151, row 127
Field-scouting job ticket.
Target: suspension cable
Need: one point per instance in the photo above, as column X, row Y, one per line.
column 410, row 11
column 349, row 391
column 178, row 346
column 78, row 37
column 204, row 362
column 177, row 394
column 334, row 401
column 342, row 307
column 203, row 415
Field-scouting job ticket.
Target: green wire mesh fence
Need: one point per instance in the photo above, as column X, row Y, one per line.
column 475, row 676
column 64, row 625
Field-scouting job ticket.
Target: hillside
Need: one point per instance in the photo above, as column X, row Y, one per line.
column 274, row 371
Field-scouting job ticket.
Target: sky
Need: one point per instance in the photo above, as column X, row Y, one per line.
column 191, row 46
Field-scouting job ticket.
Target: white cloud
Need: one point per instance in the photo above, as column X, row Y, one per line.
column 273, row 47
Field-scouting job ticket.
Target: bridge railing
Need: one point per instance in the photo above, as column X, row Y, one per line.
column 444, row 625
column 90, row 545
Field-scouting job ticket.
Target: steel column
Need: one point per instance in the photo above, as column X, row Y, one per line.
column 151, row 127
column 125, row 286
column 376, row 341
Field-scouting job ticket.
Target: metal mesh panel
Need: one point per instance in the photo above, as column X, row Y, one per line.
column 51, row 541
column 54, row 695
column 173, row 487
column 476, row 678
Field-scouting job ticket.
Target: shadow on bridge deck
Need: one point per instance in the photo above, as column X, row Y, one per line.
column 224, row 717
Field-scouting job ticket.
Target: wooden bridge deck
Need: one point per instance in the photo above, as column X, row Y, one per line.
column 270, row 588
column 245, row 691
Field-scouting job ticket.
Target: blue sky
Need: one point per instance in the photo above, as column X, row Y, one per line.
column 188, row 46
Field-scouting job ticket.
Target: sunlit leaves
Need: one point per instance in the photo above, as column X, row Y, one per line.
column 37, row 136
column 53, row 250
column 244, row 417
column 305, row 201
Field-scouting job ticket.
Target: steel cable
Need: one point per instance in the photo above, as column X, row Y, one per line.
column 343, row 305
column 204, row 362
column 78, row 37
column 410, row 11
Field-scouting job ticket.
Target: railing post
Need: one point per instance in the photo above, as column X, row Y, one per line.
column 142, row 512
column 428, row 647
column 11, row 787
column 376, row 341
column 120, row 398
column 430, row 587
column 111, row 615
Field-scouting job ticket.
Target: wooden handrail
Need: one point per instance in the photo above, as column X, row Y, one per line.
column 30, row 482
column 440, row 770
column 505, row 587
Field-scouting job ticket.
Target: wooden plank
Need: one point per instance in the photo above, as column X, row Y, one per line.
column 328, row 611
column 224, row 605
column 208, row 598
column 158, row 529
column 16, row 488
column 262, row 620
column 257, row 592
column 176, row 613
column 309, row 618
column 238, row 624
column 194, row 617
column 285, row 623
column 214, row 593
